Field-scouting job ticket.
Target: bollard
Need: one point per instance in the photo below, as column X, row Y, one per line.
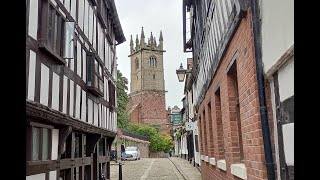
column 120, row 170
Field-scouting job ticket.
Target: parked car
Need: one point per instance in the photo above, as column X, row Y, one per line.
column 132, row 153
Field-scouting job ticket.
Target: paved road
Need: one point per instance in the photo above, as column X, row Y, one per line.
column 147, row 169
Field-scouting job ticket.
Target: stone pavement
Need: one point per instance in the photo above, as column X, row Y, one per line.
column 188, row 171
column 155, row 169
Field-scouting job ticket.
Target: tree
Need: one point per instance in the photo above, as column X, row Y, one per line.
column 158, row 141
column 122, row 100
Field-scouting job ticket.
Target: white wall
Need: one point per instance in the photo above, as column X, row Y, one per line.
column 65, row 92
column 95, row 116
column 36, row 177
column 33, row 19
column 55, row 143
column 55, row 91
column 71, row 98
column 52, row 175
column 78, row 98
column 90, row 111
column 84, row 106
column 288, row 143
column 286, row 80
column 32, row 75
column 44, row 89
column 277, row 30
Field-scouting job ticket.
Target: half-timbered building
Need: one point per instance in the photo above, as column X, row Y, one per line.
column 70, row 88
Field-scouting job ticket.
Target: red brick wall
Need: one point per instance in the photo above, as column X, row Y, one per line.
column 151, row 111
column 221, row 140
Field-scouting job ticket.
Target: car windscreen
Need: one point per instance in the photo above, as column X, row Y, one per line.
column 131, row 149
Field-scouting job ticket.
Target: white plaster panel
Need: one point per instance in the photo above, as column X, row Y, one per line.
column 83, row 106
column 84, row 65
column 107, row 119
column 33, row 19
column 286, row 80
column 105, row 88
column 277, row 30
column 52, row 175
column 288, row 143
column 78, row 98
column 99, row 112
column 73, row 8
column 71, row 98
column 65, row 93
column 103, row 116
column 90, row 111
column 32, row 75
column 41, row 176
column 44, row 87
column 55, row 91
column 95, row 116
column 67, row 5
column 55, row 143
column 79, row 52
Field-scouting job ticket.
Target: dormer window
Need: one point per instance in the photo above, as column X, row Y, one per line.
column 95, row 76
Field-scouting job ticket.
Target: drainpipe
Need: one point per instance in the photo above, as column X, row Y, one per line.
column 261, row 90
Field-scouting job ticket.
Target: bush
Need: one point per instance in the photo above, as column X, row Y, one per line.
column 158, row 141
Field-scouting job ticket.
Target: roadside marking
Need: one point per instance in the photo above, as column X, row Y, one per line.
column 145, row 174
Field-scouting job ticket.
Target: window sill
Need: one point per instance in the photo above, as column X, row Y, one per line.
column 221, row 164
column 239, row 170
column 206, row 158
column 60, row 60
column 212, row 161
column 95, row 92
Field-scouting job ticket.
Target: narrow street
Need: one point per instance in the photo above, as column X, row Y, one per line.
column 154, row 169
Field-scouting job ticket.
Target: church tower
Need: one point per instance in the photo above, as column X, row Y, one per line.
column 147, row 88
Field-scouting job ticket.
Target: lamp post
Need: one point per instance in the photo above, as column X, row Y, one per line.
column 181, row 73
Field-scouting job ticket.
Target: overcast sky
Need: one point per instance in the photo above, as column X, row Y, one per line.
column 155, row 15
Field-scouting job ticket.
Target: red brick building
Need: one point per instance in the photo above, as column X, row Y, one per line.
column 147, row 91
column 225, row 91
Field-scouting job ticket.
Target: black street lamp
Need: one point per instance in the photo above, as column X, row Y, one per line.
column 181, row 73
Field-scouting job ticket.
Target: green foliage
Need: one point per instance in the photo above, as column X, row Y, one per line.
column 158, row 141
column 122, row 100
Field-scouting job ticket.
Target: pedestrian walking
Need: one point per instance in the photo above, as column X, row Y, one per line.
column 123, row 152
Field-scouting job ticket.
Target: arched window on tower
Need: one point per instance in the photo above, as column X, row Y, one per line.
column 153, row 61
column 137, row 63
